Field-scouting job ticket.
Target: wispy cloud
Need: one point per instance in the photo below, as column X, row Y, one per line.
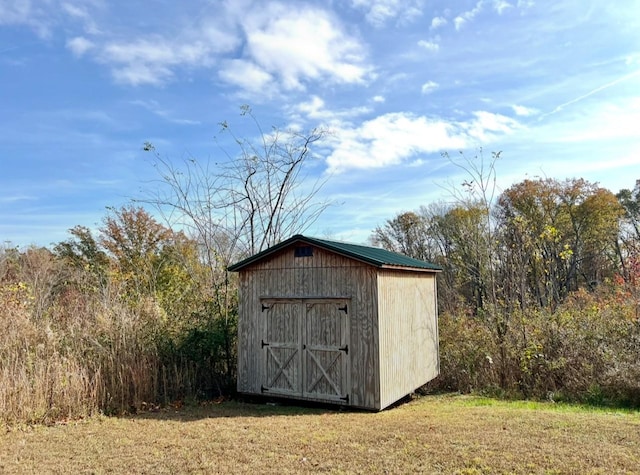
column 428, row 87
column 15, row 198
column 596, row 90
column 79, row 45
column 429, row 45
column 156, row 109
column 613, row 122
column 316, row 110
column 501, row 5
column 379, row 12
column 80, row 12
column 438, row 22
column 153, row 60
column 465, row 17
column 24, row 12
column 523, row 111
column 248, row 76
column 277, row 47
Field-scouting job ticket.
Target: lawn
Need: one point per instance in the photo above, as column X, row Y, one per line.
column 431, row 434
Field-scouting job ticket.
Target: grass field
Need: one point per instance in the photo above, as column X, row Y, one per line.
column 432, row 434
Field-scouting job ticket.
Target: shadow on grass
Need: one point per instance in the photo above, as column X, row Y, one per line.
column 240, row 406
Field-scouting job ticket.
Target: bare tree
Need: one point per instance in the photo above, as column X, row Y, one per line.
column 251, row 200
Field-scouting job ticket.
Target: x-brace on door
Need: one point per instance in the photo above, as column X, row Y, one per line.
column 305, row 348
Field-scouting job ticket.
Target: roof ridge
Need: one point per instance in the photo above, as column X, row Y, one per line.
column 375, row 256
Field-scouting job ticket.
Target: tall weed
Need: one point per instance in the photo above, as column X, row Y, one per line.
column 586, row 350
column 72, row 348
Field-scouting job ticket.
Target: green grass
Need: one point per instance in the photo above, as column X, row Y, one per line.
column 432, row 434
column 478, row 401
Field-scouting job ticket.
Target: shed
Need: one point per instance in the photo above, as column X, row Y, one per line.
column 334, row 322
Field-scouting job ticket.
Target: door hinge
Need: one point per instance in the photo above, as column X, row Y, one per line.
column 263, row 344
column 343, row 309
column 265, row 307
column 345, row 348
column 264, row 390
column 345, row 399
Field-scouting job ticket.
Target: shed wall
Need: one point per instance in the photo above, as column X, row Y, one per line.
column 408, row 329
column 323, row 275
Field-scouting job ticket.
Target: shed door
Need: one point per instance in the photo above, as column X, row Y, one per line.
column 281, row 348
column 305, row 349
column 326, row 350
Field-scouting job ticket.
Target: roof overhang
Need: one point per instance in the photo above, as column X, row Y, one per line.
column 368, row 255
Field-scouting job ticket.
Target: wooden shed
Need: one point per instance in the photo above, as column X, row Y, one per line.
column 335, row 322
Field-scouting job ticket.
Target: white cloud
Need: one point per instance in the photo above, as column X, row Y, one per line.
column 380, row 11
column 429, row 86
column 141, row 62
column 378, row 99
column 316, row 109
column 501, row 5
column 437, row 22
column 79, row 45
column 524, row 111
column 81, row 13
column 296, row 45
column 486, row 126
column 313, row 109
column 24, row 12
column 400, row 137
column 153, row 60
column 429, row 45
column 526, row 3
column 389, row 140
column 285, row 46
column 15, row 12
column 248, row 76
column 467, row 16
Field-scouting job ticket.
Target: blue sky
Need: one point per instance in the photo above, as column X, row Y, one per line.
column 84, row 83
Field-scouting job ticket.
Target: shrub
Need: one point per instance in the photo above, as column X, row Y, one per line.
column 586, row 350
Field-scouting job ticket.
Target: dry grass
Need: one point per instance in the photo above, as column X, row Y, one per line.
column 440, row 434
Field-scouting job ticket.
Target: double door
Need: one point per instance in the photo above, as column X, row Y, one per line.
column 305, row 348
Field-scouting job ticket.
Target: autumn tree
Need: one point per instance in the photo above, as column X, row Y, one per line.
column 564, row 231
column 630, row 201
column 134, row 240
column 629, row 246
column 82, row 252
column 151, row 260
column 408, row 233
column 462, row 235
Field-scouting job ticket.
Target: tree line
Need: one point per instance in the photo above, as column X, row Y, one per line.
column 539, row 292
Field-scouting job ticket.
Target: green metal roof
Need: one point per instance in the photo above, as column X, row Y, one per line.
column 371, row 255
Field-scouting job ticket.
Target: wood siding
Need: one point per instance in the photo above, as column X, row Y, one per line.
column 325, row 275
column 408, row 332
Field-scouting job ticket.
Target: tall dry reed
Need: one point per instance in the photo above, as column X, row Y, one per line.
column 72, row 360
